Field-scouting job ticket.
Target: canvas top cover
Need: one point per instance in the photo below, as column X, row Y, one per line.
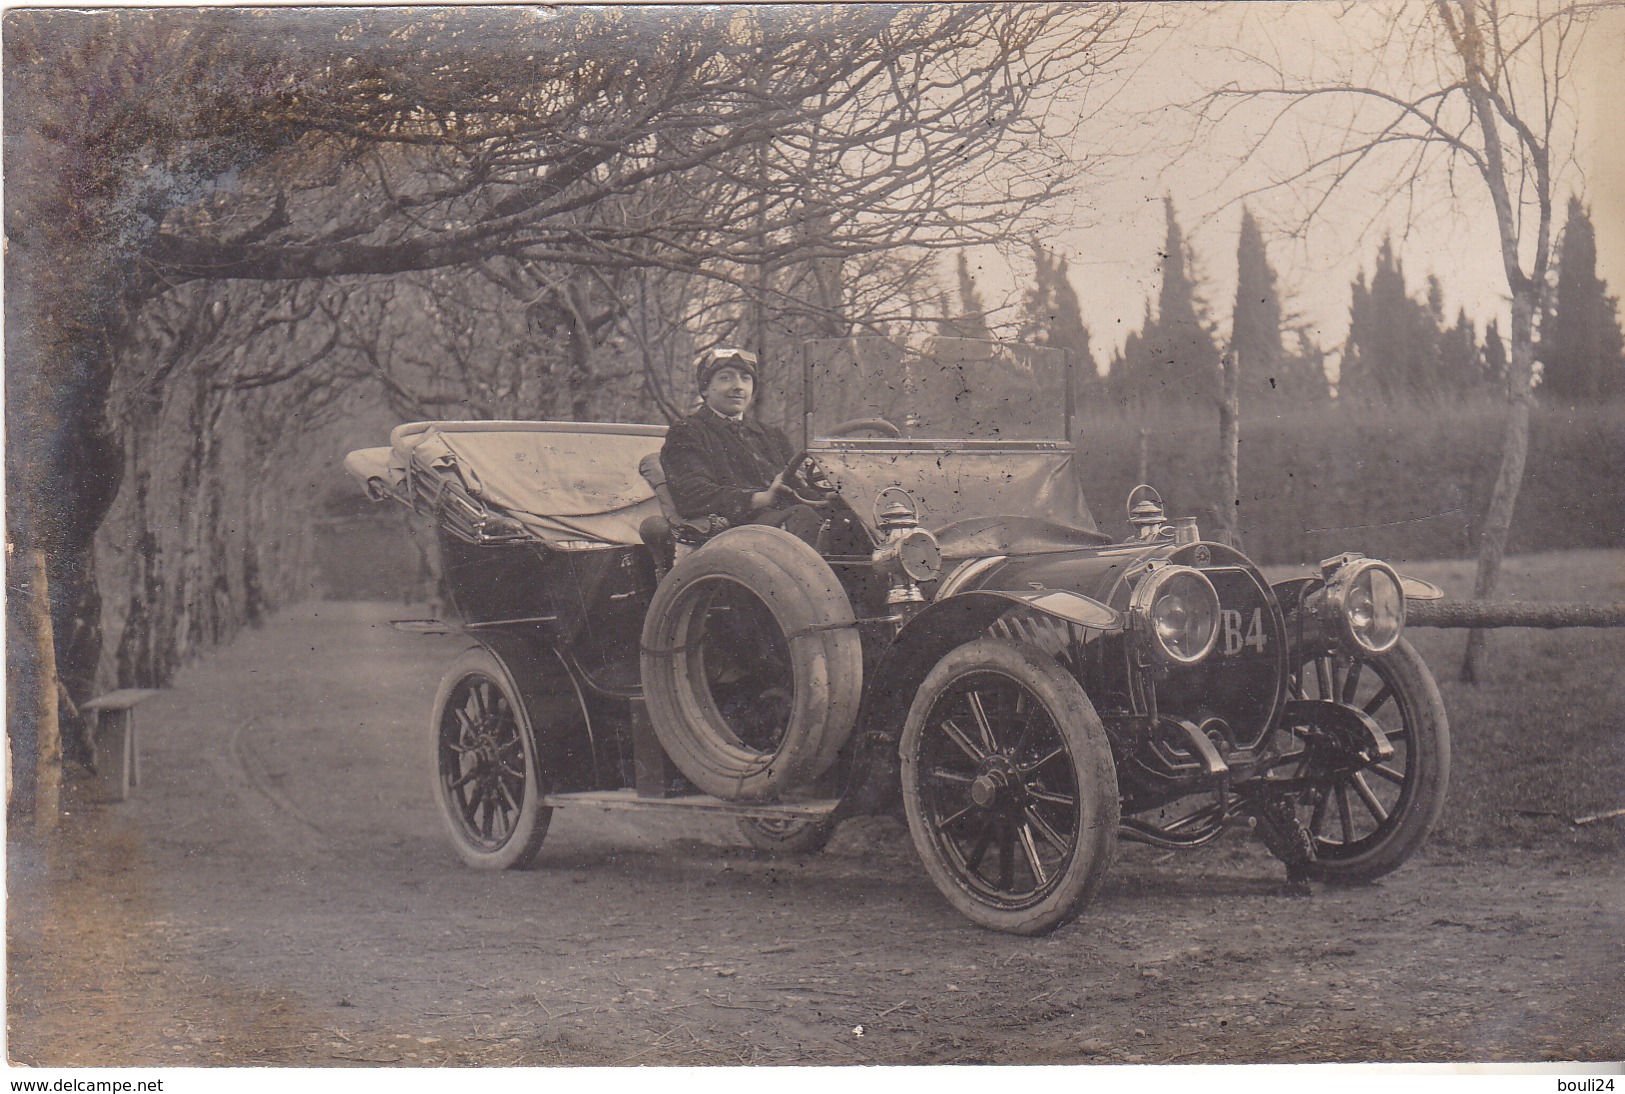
column 561, row 481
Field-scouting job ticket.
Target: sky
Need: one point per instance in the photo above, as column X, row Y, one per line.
column 1134, row 147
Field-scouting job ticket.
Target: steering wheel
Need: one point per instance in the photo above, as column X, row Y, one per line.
column 806, row 481
column 858, row 425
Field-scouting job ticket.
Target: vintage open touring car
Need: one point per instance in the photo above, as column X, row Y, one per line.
column 963, row 639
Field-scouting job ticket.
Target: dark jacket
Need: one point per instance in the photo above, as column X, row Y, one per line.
column 714, row 464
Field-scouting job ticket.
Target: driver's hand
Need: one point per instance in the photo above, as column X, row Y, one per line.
column 776, row 489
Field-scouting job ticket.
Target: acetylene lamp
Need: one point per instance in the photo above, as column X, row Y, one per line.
column 908, row 554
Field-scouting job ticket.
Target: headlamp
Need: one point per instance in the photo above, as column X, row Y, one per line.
column 1177, row 609
column 1368, row 601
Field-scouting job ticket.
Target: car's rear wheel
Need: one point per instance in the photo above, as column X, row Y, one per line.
column 786, row 835
column 1367, row 820
column 1009, row 787
column 487, row 778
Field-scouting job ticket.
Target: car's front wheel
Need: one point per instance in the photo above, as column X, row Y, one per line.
column 487, row 778
column 1009, row 786
column 1366, row 820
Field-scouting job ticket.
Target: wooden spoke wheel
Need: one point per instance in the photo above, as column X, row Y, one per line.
column 1367, row 819
column 786, row 835
column 486, row 773
column 1009, row 787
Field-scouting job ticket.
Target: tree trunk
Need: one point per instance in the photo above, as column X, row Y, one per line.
column 76, row 612
column 146, row 654
column 1513, row 613
column 139, row 658
column 63, row 467
column 1514, row 453
column 32, row 682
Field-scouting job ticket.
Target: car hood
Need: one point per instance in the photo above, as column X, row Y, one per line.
column 978, row 537
column 1032, row 491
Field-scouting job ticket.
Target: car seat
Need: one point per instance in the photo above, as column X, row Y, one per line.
column 668, row 536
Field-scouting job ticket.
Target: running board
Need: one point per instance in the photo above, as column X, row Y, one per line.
column 812, row 809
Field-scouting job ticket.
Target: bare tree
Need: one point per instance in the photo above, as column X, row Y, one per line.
column 207, row 392
column 148, row 151
column 1448, row 90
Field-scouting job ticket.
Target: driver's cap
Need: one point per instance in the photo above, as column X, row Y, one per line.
column 707, row 363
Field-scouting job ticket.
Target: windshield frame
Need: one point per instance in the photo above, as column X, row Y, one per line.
column 810, row 441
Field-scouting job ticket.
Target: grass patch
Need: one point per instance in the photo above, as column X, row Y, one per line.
column 1544, row 728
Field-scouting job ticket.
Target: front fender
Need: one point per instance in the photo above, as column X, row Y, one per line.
column 953, row 621
column 1063, row 604
column 922, row 642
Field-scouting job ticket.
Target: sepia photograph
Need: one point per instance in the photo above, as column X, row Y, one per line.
column 745, row 536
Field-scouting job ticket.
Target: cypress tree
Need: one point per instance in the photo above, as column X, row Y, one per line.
column 1038, row 309
column 1174, row 359
column 1461, row 363
column 972, row 321
column 1071, row 332
column 947, row 321
column 1131, row 378
column 1388, row 343
column 1304, row 366
column 1427, row 379
column 1496, row 362
column 1053, row 316
column 1353, row 377
column 1255, row 330
column 1392, row 352
column 1189, row 364
column 1582, row 350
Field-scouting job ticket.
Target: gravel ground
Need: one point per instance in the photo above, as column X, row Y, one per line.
column 278, row 891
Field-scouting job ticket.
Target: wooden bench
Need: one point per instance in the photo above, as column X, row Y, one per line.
column 114, row 754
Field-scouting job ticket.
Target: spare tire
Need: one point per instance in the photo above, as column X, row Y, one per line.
column 752, row 665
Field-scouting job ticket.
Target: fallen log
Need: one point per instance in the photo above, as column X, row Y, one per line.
column 1512, row 613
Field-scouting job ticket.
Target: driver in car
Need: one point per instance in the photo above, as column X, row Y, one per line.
column 724, row 465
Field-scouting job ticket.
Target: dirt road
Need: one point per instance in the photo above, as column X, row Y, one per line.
column 278, row 891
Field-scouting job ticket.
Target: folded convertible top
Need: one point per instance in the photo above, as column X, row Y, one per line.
column 552, row 482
